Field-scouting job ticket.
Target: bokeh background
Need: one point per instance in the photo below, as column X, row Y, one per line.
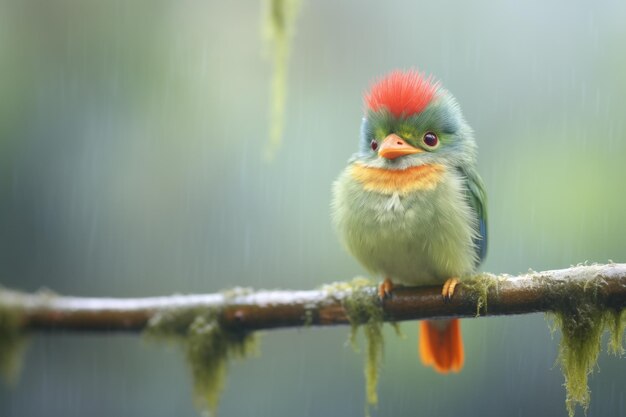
column 132, row 136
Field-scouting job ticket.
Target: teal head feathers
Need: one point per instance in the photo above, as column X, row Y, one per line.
column 423, row 114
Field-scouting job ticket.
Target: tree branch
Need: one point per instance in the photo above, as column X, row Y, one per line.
column 247, row 310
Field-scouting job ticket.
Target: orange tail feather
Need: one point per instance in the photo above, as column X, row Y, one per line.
column 441, row 345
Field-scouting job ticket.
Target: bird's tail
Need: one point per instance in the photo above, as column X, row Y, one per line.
column 441, row 345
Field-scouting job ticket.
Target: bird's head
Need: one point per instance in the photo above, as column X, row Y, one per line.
column 411, row 120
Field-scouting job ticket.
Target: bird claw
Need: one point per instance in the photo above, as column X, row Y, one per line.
column 448, row 289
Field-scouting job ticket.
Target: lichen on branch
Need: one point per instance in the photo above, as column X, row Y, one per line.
column 12, row 343
column 580, row 313
column 208, row 346
column 364, row 309
column 478, row 287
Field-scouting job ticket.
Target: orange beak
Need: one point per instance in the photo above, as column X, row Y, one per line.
column 394, row 146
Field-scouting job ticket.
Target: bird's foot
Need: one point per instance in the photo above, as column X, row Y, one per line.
column 385, row 288
column 448, row 288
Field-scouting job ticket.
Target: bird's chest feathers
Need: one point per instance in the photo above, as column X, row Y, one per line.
column 413, row 225
column 397, row 182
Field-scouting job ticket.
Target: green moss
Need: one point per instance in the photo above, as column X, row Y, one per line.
column 359, row 306
column 279, row 26
column 374, row 338
column 616, row 324
column 397, row 329
column 209, row 348
column 582, row 319
column 12, row 343
column 364, row 309
column 479, row 287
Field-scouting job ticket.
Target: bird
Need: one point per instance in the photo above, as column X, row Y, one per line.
column 410, row 206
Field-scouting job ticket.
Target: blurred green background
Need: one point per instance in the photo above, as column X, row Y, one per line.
column 132, row 136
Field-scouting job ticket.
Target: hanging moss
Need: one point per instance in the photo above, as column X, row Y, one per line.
column 374, row 338
column 12, row 343
column 364, row 310
column 280, row 16
column 582, row 319
column 359, row 305
column 617, row 325
column 397, row 329
column 208, row 347
column 479, row 287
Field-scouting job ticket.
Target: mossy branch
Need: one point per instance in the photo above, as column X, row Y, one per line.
column 584, row 300
column 247, row 310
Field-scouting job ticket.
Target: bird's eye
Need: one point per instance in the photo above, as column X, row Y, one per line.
column 374, row 144
column 430, row 140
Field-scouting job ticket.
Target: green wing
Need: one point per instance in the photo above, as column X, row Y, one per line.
column 477, row 198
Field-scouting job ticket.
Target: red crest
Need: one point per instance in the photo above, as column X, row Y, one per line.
column 402, row 93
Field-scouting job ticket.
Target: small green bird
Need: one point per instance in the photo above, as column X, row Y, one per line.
column 410, row 206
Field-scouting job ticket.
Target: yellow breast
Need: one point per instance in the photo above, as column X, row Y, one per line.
column 401, row 181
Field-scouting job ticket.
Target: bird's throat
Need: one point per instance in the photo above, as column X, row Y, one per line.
column 401, row 181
